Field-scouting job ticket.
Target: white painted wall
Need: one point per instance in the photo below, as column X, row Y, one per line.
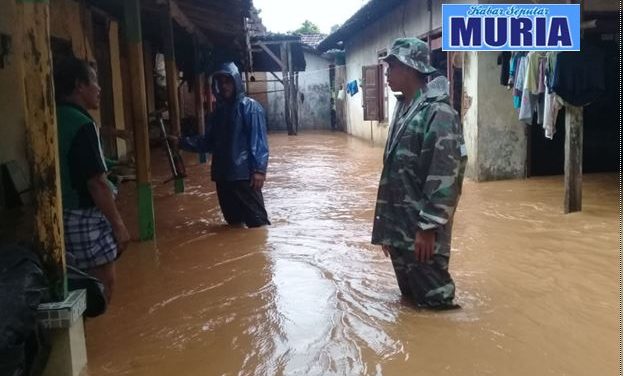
column 314, row 112
column 275, row 110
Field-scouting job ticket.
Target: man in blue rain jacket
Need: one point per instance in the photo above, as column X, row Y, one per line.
column 237, row 140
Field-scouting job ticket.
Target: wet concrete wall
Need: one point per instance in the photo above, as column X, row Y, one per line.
column 314, row 112
column 495, row 139
column 502, row 137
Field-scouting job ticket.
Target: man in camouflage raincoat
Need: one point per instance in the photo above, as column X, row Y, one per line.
column 420, row 184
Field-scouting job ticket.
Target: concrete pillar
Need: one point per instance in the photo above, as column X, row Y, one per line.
column 496, row 140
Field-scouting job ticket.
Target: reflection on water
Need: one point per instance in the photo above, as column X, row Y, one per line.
column 310, row 296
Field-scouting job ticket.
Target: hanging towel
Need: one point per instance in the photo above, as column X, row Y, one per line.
column 352, row 88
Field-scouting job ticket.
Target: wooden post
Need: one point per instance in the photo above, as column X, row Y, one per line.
column 573, row 159
column 118, row 97
column 148, row 59
column 42, row 140
column 296, row 102
column 199, row 97
column 133, row 34
column 292, row 93
column 209, row 95
column 285, row 76
column 199, row 111
column 171, row 72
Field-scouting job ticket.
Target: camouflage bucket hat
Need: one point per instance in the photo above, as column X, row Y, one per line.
column 412, row 52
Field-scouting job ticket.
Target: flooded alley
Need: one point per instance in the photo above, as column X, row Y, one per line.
column 310, row 295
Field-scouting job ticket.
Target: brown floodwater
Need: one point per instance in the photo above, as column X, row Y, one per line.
column 310, row 295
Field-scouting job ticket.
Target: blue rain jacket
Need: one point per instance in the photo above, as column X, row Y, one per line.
column 236, row 134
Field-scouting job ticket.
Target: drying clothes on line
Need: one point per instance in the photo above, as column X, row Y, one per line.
column 341, row 95
column 551, row 62
column 519, row 78
column 504, row 59
column 552, row 104
column 352, row 88
column 535, row 72
column 532, row 100
column 530, row 104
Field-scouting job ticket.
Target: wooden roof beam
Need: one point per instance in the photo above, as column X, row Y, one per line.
column 184, row 21
column 271, row 54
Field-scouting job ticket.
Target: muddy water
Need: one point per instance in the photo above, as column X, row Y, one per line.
column 310, row 296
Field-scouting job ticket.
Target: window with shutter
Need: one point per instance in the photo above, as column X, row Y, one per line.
column 371, row 93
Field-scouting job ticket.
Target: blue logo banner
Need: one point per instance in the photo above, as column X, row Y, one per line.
column 504, row 27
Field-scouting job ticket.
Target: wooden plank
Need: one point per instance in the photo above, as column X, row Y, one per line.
column 292, row 93
column 287, row 114
column 271, row 54
column 255, row 43
column 41, row 140
column 296, row 102
column 132, row 32
column 277, row 78
column 198, row 88
column 171, row 70
column 118, row 97
column 148, row 59
column 287, row 87
column 573, row 159
column 198, row 91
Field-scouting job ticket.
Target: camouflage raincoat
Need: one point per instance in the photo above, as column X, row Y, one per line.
column 422, row 175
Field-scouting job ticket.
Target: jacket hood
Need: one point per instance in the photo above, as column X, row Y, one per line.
column 438, row 90
column 229, row 69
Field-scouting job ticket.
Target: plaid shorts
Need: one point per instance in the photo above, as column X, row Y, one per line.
column 89, row 239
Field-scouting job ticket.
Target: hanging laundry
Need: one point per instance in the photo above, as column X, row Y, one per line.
column 551, row 62
column 531, row 101
column 579, row 77
column 534, row 61
column 552, row 104
column 341, row 95
column 541, row 87
column 519, row 79
column 352, row 88
column 513, row 67
column 530, row 104
column 503, row 60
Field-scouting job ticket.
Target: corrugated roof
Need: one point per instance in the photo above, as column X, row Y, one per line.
column 312, row 40
column 369, row 13
column 217, row 17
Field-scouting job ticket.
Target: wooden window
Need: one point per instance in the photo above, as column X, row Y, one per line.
column 373, row 92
